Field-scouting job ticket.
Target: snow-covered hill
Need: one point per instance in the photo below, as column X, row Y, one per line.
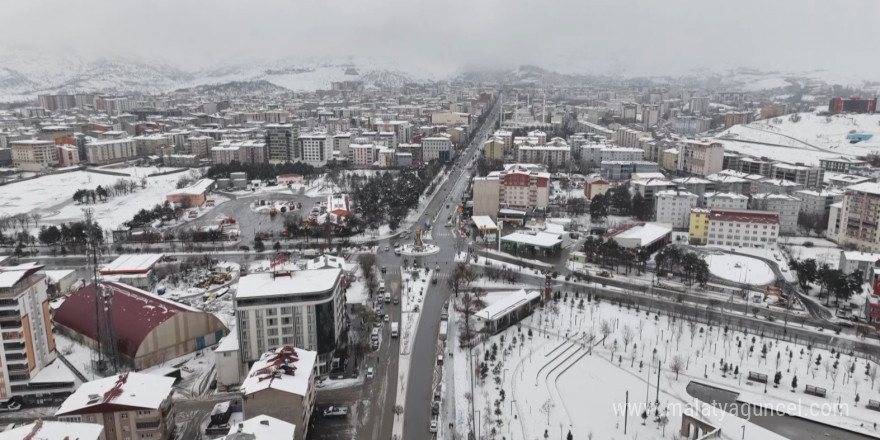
column 25, row 74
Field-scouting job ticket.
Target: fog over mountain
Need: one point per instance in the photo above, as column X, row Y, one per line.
column 440, row 38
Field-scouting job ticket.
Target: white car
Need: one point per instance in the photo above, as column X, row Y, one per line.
column 433, row 427
column 370, row 373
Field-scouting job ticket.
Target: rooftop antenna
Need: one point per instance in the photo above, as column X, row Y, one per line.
column 106, row 356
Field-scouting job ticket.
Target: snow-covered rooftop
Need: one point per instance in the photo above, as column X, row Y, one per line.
column 647, row 233
column 540, row 239
column 199, row 187
column 866, row 187
column 46, row 430
column 484, row 223
column 286, row 369
column 131, row 264
column 118, row 393
column 507, row 303
column 290, row 283
column 228, row 343
column 262, row 427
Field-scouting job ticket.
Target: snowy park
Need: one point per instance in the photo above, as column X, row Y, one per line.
column 571, row 365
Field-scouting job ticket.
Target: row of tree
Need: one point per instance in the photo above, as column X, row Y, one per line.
column 832, row 282
column 609, row 253
column 390, row 196
column 69, row 234
column 688, row 265
column 102, row 193
column 619, row 201
column 262, row 171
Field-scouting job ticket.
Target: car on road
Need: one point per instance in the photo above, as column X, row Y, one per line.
column 375, row 345
column 397, row 252
column 396, row 300
column 336, row 411
column 387, row 318
column 435, row 408
column 370, row 373
column 384, row 270
column 433, row 426
column 387, row 248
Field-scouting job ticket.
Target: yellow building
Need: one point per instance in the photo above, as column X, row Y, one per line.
column 493, row 149
column 699, row 226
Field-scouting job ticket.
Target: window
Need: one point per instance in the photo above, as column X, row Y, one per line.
column 272, row 322
column 123, row 416
column 273, row 342
column 271, row 312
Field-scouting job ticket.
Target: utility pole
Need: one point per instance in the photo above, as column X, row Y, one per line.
column 658, row 383
column 626, row 413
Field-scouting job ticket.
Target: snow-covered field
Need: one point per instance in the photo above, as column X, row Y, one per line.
column 52, row 197
column 553, row 382
column 812, row 138
column 740, row 269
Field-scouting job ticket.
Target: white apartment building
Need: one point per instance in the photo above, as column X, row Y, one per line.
column 514, row 188
column 33, row 155
column 609, row 154
column 249, row 151
column 201, row 145
column 436, row 148
column 785, row 205
column 690, row 125
column 818, row 203
column 672, row 207
column 720, row 200
column 741, row 228
column 304, row 308
column 110, row 150
column 315, row 150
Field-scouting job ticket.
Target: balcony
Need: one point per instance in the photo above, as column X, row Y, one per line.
column 10, row 347
column 144, row 426
column 12, row 336
column 12, row 368
column 9, row 304
column 10, row 357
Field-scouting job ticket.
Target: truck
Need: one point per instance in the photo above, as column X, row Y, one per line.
column 395, row 327
column 336, row 411
column 443, row 327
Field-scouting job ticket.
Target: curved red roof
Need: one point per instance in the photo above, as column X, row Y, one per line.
column 135, row 313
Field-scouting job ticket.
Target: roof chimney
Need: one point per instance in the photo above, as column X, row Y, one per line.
column 264, row 422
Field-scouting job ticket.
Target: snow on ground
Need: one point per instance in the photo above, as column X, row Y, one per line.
column 740, row 269
column 52, row 197
column 545, row 375
column 414, row 284
column 78, row 355
column 812, row 138
column 138, row 172
column 823, row 251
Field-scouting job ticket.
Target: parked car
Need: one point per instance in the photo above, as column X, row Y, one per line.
column 433, row 427
column 370, row 373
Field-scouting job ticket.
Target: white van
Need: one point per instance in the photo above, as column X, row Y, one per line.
column 382, row 287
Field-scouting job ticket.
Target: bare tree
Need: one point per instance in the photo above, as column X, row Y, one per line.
column 872, row 374
column 627, row 334
column 36, row 218
column 676, row 365
column 605, row 328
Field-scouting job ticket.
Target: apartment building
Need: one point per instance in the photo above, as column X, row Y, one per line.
column 515, row 188
column 28, row 342
column 809, row 177
column 128, row 406
column 493, row 149
column 249, row 151
column 736, row 118
column 629, row 138
column 414, row 150
column 33, row 155
column 859, row 217
column 201, row 145
column 751, row 165
column 725, row 182
column 304, row 308
column 549, row 155
column 621, row 154
column 741, row 228
column 281, row 384
column 721, row 200
column 785, row 205
column 282, row 142
column 362, row 155
column 99, row 152
column 437, row 148
column 315, row 150
column 818, row 202
column 841, row 164
column 699, row 105
column 691, row 125
column 698, row 225
column 68, row 155
column 673, row 207
column 506, row 138
column 701, row 158
column 623, row 170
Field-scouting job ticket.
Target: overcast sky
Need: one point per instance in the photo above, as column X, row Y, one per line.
column 637, row 37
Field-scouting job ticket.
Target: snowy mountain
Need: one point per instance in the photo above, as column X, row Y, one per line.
column 25, row 74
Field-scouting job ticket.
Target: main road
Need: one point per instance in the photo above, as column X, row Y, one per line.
column 417, row 413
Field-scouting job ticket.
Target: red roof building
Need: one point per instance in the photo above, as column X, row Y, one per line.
column 741, row 228
column 148, row 329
